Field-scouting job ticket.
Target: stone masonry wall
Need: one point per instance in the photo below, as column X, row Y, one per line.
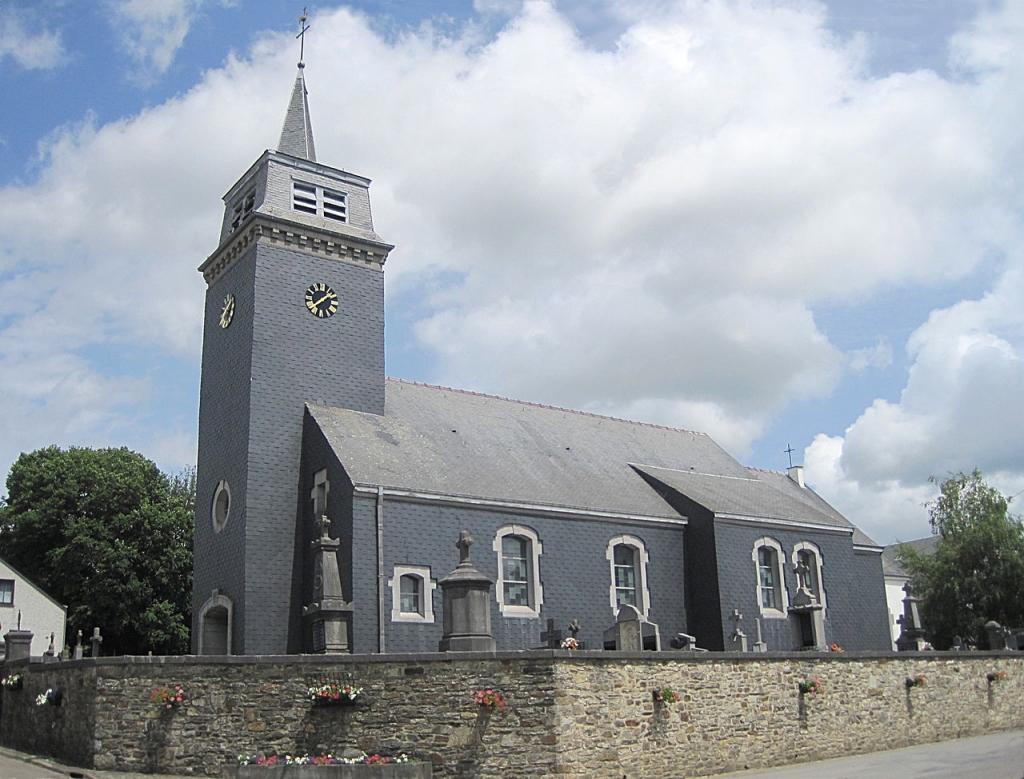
column 586, row 714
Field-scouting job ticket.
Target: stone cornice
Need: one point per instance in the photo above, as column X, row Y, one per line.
column 295, row 236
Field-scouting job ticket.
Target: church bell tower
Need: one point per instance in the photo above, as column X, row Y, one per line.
column 294, row 313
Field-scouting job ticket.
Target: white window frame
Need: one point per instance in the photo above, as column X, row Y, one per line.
column 643, row 594
column 819, row 582
column 536, row 590
column 781, row 591
column 220, row 506
column 427, row 587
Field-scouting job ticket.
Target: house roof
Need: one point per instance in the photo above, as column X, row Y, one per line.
column 452, row 442
column 890, row 563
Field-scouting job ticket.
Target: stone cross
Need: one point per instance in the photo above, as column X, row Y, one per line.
column 463, row 544
column 96, row 641
column 574, row 627
column 78, row 647
column 802, row 575
column 551, row 636
column 738, row 636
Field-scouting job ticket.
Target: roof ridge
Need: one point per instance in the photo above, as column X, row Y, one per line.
column 693, row 472
column 550, row 408
column 766, row 470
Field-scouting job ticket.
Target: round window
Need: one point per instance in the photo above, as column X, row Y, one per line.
column 221, row 505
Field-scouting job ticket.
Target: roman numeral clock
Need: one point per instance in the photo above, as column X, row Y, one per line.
column 321, row 300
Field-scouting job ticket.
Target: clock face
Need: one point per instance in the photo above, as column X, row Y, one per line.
column 227, row 311
column 321, row 300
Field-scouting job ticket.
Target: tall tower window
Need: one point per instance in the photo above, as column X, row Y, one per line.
column 519, row 591
column 317, row 201
column 241, row 208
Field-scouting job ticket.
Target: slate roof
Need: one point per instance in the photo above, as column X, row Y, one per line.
column 891, row 566
column 756, row 494
column 452, row 442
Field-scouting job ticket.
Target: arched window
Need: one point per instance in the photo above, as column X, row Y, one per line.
column 771, row 587
column 412, row 594
column 628, row 558
column 519, row 592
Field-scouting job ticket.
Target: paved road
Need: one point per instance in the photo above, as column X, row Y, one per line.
column 999, row 756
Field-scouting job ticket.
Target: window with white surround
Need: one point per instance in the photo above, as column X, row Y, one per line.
column 412, row 594
column 771, row 586
column 628, row 558
column 807, row 553
column 519, row 592
column 318, row 201
column 221, row 508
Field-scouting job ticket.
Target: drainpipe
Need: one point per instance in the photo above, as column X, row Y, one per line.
column 381, row 582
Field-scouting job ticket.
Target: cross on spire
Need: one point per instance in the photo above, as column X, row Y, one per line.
column 303, row 29
column 789, row 450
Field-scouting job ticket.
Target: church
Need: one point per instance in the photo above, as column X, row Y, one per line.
column 331, row 495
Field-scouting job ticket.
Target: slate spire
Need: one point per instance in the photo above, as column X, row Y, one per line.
column 297, row 132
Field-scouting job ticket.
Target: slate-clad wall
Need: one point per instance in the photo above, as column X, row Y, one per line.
column 574, row 572
column 296, row 357
column 854, row 595
column 219, row 559
column 586, row 714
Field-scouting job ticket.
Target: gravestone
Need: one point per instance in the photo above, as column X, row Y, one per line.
column 329, row 613
column 1003, row 638
column 739, row 638
column 96, row 641
column 466, row 594
column 911, row 638
column 17, row 644
column 632, row 632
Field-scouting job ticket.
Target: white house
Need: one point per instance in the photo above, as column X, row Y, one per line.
column 21, row 600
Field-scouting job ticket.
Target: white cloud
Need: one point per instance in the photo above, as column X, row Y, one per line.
column 152, row 31
column 640, row 230
column 23, row 40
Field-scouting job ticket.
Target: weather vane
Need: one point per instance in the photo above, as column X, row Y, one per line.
column 303, row 29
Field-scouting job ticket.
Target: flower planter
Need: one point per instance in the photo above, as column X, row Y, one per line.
column 358, row 771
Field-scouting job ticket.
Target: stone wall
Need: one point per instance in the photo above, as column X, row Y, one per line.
column 587, row 714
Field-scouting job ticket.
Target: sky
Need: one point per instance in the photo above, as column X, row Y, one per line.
column 788, row 224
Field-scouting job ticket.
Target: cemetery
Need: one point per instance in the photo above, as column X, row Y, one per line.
column 628, row 709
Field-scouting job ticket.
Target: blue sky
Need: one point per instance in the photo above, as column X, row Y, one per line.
column 781, row 223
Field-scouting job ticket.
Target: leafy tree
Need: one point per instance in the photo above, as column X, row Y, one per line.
column 976, row 573
column 106, row 533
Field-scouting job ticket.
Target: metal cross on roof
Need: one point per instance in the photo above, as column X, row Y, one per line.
column 303, row 29
column 789, row 450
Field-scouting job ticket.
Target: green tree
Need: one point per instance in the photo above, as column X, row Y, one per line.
column 106, row 533
column 976, row 573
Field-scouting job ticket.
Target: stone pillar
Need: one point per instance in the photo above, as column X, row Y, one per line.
column 329, row 613
column 466, row 594
column 912, row 632
column 18, row 644
column 96, row 641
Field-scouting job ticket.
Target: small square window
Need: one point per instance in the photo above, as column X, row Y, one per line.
column 6, row 592
column 412, row 594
